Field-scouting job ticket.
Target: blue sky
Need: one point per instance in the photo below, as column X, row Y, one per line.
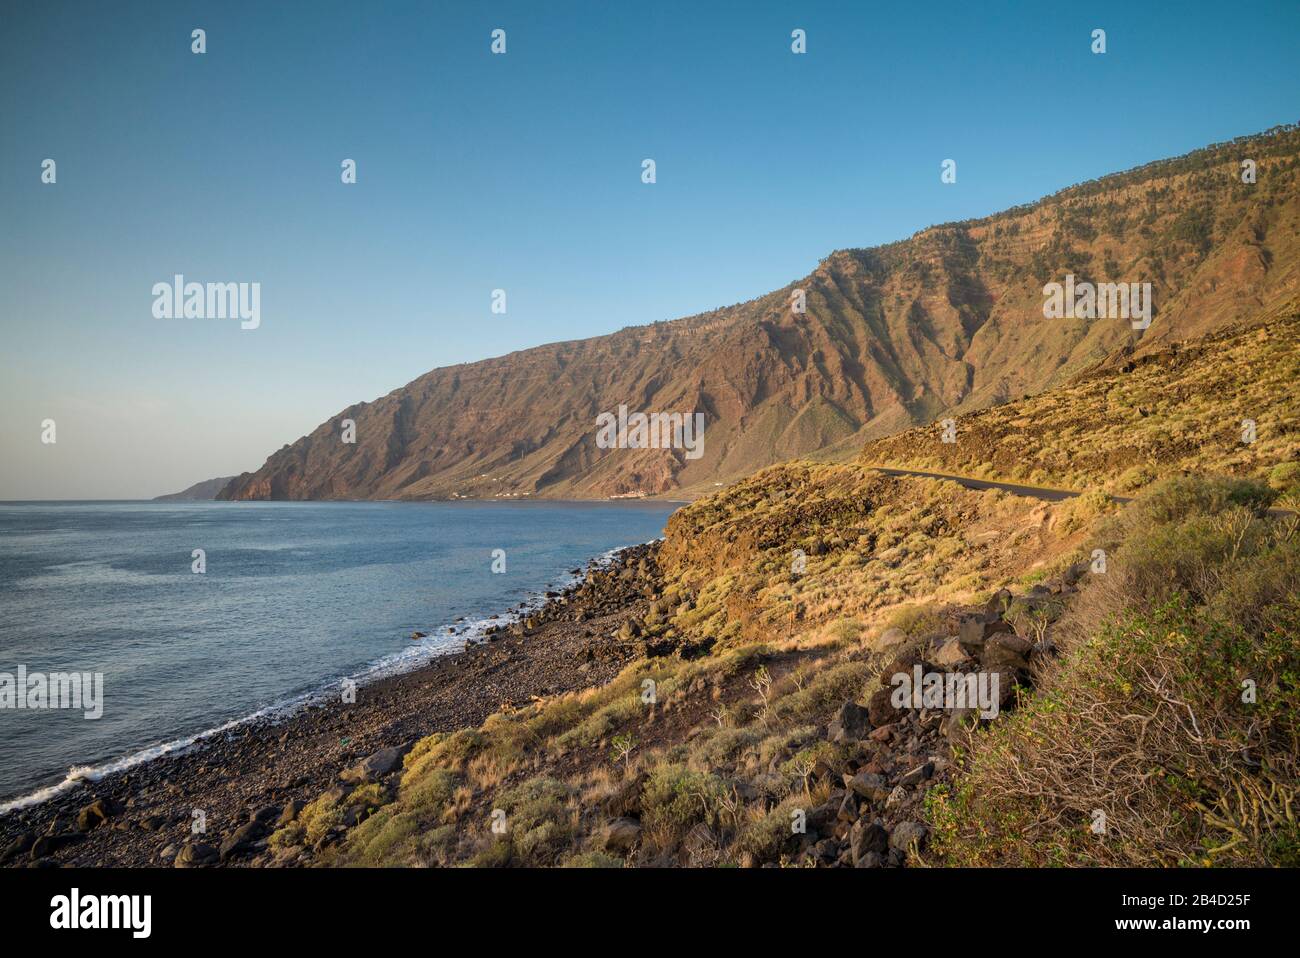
column 519, row 172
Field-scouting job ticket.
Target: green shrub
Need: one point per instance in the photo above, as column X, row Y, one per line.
column 916, row 620
column 845, row 630
column 1285, row 476
column 1178, row 716
column 827, row 690
column 772, row 834
column 1184, row 496
column 676, row 798
column 539, row 820
column 1188, row 556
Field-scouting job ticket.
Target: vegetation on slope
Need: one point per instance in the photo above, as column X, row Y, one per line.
column 1138, row 713
column 735, row 738
column 1119, row 429
column 1147, row 658
column 1168, row 733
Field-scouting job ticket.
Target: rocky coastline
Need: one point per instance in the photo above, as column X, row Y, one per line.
column 216, row 802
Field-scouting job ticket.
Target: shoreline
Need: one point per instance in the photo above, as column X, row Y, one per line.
column 246, row 773
column 410, row 659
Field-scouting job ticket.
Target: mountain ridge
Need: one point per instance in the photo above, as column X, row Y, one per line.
column 948, row 320
column 204, row 490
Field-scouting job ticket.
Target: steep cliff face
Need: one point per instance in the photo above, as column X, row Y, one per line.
column 948, row 320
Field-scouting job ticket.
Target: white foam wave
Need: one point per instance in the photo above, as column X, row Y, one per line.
column 395, row 664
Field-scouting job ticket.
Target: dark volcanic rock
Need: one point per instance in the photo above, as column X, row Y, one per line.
column 851, row 722
column 905, row 833
column 48, row 844
column 880, row 707
column 976, row 630
column 868, row 785
column 21, row 842
column 242, row 837
column 1006, row 653
column 95, row 814
column 381, row 763
column 867, row 838
column 196, row 855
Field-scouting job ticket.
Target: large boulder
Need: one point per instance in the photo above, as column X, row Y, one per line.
column 851, row 722
column 381, row 763
column 95, row 814
column 1006, row 652
column 266, row 814
column 868, row 785
column 56, row 837
column 196, row 855
column 822, row 818
column 975, row 630
column 905, row 833
column 22, row 842
column 866, row 838
column 240, row 840
column 949, row 655
column 902, row 663
column 47, row 845
column 880, row 710
column 970, row 634
column 1013, row 642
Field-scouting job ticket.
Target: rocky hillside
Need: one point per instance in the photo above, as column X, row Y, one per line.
column 950, row 319
column 754, row 695
column 762, row 721
column 1183, row 406
column 759, row 722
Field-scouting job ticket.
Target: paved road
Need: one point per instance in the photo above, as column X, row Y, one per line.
column 1033, row 492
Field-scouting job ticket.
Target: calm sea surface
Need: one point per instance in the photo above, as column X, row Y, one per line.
column 296, row 596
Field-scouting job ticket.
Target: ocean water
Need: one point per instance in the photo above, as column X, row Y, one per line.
column 296, row 597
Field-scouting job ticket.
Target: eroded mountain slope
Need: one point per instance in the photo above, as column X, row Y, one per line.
column 948, row 320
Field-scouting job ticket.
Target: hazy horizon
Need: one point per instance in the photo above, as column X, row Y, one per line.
column 521, row 172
